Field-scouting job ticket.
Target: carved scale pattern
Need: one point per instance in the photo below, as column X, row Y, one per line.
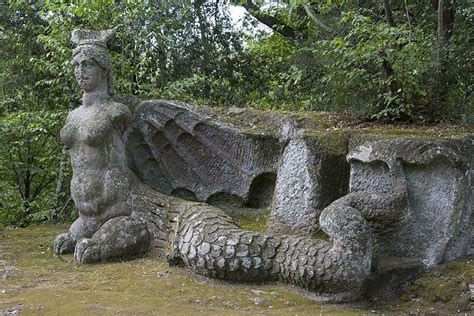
column 211, row 244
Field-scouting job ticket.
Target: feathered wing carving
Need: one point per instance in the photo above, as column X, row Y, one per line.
column 179, row 151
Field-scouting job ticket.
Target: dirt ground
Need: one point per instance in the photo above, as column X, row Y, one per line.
column 34, row 281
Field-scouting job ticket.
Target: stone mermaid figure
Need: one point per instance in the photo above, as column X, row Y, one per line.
column 104, row 190
column 120, row 217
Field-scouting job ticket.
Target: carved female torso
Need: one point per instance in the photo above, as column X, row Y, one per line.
column 94, row 136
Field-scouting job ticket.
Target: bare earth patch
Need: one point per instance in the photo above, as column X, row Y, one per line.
column 34, row 281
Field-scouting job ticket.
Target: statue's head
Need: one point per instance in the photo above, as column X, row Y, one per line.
column 92, row 61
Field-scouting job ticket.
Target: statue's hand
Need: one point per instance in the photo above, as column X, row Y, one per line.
column 63, row 244
column 87, row 251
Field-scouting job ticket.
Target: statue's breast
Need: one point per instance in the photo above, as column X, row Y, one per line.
column 87, row 127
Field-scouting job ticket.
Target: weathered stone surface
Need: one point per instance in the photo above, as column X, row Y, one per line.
column 118, row 216
column 309, row 178
column 439, row 220
column 178, row 150
column 274, row 260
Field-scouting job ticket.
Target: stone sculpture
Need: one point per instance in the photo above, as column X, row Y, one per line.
column 114, row 216
column 379, row 226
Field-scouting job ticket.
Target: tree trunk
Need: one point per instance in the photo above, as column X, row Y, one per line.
column 27, row 176
column 441, row 33
column 206, row 46
column 134, row 85
column 163, row 66
column 388, row 12
column 312, row 15
column 389, row 72
column 445, row 17
column 273, row 22
column 59, row 184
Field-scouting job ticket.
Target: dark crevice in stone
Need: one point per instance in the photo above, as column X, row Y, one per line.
column 261, row 190
column 225, row 199
column 184, row 194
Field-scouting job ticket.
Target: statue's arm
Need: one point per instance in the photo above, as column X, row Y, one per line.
column 67, row 134
column 120, row 117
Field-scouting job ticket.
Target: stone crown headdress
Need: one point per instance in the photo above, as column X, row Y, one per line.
column 88, row 37
column 94, row 45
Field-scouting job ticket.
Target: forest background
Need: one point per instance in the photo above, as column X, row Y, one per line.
column 391, row 60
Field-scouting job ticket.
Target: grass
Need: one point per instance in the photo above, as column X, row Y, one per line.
column 35, row 281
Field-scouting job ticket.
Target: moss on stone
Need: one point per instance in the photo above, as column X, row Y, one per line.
column 331, row 130
column 333, row 141
column 256, row 222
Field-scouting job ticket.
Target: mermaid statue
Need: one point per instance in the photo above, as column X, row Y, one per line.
column 122, row 218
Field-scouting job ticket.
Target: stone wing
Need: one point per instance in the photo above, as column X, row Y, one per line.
column 179, row 150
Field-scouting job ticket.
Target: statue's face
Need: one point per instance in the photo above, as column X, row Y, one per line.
column 89, row 75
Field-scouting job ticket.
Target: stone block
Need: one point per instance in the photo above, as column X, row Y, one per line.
column 310, row 176
column 439, row 223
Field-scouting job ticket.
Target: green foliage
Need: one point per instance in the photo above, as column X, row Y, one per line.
column 350, row 58
column 275, row 78
column 355, row 77
column 186, row 50
column 28, row 165
column 339, row 55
